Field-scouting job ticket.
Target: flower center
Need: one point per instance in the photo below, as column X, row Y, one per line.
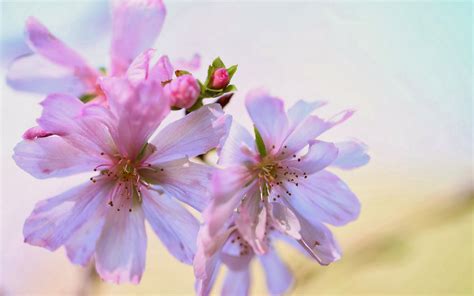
column 125, row 174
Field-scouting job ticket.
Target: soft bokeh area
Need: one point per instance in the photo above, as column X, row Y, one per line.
column 406, row 66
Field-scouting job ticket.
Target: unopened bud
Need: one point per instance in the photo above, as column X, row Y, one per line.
column 183, row 91
column 220, row 78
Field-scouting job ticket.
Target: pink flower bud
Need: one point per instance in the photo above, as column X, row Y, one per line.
column 183, row 91
column 220, row 78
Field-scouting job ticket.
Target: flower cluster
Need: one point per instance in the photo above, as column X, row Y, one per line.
column 272, row 185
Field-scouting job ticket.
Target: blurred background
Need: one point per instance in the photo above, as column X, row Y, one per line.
column 406, row 66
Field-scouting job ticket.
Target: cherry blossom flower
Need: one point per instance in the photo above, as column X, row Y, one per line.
column 134, row 179
column 55, row 67
column 232, row 250
column 280, row 180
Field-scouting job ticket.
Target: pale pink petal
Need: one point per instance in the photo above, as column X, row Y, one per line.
column 229, row 186
column 284, row 220
column 81, row 246
column 279, row 278
column 211, row 266
column 69, row 118
column 45, row 44
column 135, row 26
column 139, row 109
column 185, row 180
column 318, row 242
column 54, row 221
column 311, row 128
column 139, row 69
column 191, row 64
column 173, row 224
column 232, row 153
column 236, row 283
column 249, row 219
column 324, row 197
column 301, row 110
column 163, row 70
column 269, row 117
column 235, row 256
column 352, row 154
column 320, row 155
column 35, row 132
column 192, row 135
column 34, row 73
column 53, row 157
column 121, row 249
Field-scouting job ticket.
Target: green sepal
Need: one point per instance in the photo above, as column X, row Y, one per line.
column 86, row 98
column 259, row 141
column 231, row 71
column 230, row 88
column 218, row 63
column 146, row 150
column 196, row 106
column 103, row 70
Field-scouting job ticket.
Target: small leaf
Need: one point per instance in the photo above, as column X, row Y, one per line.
column 210, row 71
column 230, row 88
column 218, row 63
column 86, row 98
column 231, row 70
column 259, row 141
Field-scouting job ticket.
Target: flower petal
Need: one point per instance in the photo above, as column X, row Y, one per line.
column 231, row 152
column 163, row 70
column 229, row 186
column 205, row 280
column 55, row 220
column 174, row 225
column 53, row 49
column 192, row 64
column 251, row 220
column 140, row 67
column 121, row 249
column 182, row 179
column 195, row 134
column 320, row 155
column 34, row 73
column 81, row 246
column 139, row 109
column 67, row 117
column 352, row 154
column 269, row 117
column 301, row 110
column 312, row 127
column 285, row 220
column 279, row 278
column 52, row 157
column 318, row 241
column 236, row 283
column 135, row 26
column 323, row 197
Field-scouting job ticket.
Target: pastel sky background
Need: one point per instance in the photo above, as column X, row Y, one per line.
column 406, row 66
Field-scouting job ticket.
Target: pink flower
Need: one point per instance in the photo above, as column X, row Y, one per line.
column 55, row 67
column 134, row 179
column 232, row 250
column 183, row 91
column 271, row 180
column 220, row 78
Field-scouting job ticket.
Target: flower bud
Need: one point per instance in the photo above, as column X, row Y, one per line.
column 220, row 78
column 183, row 91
